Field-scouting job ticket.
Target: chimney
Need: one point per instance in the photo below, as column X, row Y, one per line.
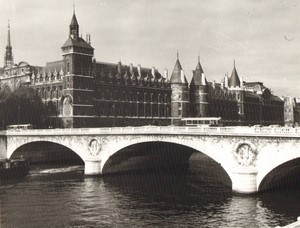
column 166, row 74
column 203, row 79
column 214, row 84
column 153, row 71
column 182, row 76
column 88, row 39
column 226, row 80
column 131, row 69
column 119, row 67
column 242, row 83
column 139, row 70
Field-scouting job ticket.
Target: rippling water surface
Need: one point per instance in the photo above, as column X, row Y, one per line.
column 63, row 197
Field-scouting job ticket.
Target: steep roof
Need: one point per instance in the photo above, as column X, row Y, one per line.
column 198, row 76
column 56, row 65
column 234, row 80
column 177, row 76
column 74, row 20
column 112, row 68
column 77, row 43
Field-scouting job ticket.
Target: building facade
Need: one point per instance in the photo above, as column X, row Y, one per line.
column 79, row 91
column 291, row 111
column 235, row 101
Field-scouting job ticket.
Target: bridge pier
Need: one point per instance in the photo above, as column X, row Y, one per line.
column 92, row 167
column 244, row 180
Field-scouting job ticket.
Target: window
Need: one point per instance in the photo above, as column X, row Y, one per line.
column 68, row 67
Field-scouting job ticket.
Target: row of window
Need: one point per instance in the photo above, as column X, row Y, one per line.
column 132, row 110
column 50, row 93
column 42, row 78
column 132, row 80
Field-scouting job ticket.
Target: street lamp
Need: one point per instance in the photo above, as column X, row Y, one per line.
column 151, row 105
column 18, row 115
column 260, row 111
column 145, row 105
column 158, row 104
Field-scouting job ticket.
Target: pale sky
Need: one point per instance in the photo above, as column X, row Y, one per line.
column 263, row 37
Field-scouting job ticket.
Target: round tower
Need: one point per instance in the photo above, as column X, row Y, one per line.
column 234, row 84
column 199, row 93
column 180, row 94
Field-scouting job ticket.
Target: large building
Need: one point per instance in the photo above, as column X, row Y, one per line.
column 235, row 101
column 82, row 92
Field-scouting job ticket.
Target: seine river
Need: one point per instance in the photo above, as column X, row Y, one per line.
column 62, row 197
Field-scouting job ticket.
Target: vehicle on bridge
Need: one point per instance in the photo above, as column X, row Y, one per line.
column 203, row 121
column 19, row 127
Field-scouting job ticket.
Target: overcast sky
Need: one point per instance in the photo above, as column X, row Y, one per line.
column 263, row 37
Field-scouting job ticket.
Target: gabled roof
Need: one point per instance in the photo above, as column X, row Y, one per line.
column 77, row 43
column 198, row 76
column 176, row 76
column 234, row 80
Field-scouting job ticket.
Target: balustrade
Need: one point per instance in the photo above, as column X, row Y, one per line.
column 248, row 131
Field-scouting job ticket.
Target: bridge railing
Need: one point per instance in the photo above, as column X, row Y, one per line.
column 239, row 130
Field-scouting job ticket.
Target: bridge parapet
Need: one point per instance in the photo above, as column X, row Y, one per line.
column 243, row 131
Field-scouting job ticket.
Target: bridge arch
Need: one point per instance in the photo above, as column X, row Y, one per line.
column 184, row 142
column 46, row 152
column 281, row 176
column 22, row 142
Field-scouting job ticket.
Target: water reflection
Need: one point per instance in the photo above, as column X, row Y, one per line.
column 63, row 197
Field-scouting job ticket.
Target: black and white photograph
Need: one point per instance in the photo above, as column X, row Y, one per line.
column 136, row 113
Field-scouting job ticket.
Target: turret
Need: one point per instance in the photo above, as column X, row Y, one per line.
column 180, row 94
column 235, row 85
column 234, row 80
column 199, row 93
column 74, row 27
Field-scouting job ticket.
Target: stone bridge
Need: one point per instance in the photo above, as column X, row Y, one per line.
column 251, row 156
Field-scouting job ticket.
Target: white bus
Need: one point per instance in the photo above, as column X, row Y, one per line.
column 202, row 121
column 19, row 127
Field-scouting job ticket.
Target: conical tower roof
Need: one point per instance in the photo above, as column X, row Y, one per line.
column 198, row 75
column 74, row 20
column 74, row 27
column 177, row 74
column 234, row 80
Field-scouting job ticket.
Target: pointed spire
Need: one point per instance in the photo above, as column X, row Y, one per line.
column 198, row 75
column 234, row 80
column 74, row 26
column 8, row 58
column 8, row 35
column 177, row 74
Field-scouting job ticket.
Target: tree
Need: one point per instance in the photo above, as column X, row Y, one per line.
column 23, row 106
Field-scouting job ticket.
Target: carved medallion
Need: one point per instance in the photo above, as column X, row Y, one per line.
column 94, row 147
column 245, row 154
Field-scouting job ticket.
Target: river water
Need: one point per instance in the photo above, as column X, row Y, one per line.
column 62, row 197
